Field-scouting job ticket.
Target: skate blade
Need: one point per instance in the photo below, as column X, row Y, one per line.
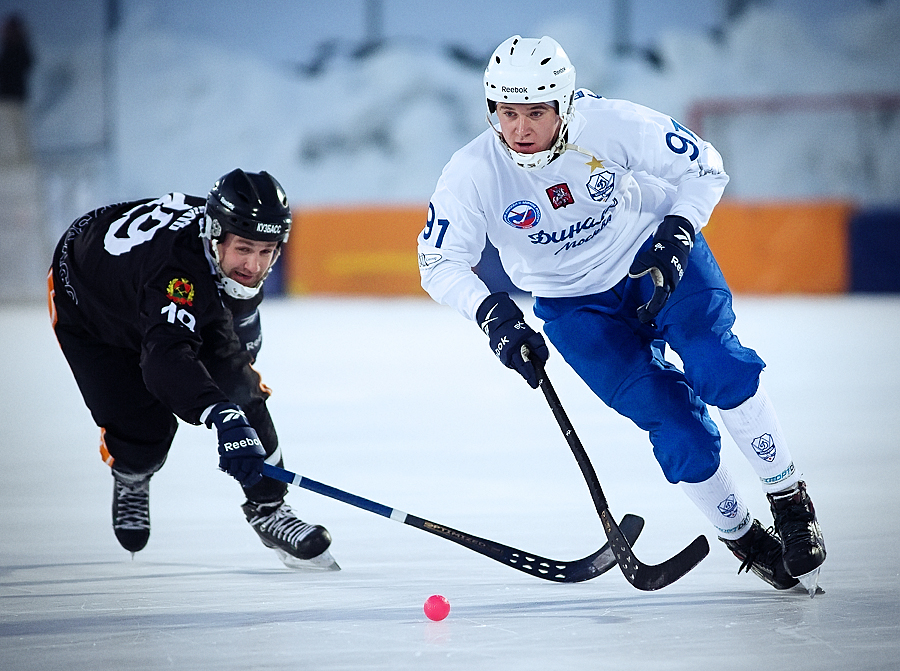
column 322, row 562
column 810, row 582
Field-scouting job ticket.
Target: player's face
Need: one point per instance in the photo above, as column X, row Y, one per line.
column 246, row 261
column 528, row 128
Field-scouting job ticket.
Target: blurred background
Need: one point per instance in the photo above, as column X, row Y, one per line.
column 356, row 105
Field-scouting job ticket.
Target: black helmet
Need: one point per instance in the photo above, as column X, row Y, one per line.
column 252, row 205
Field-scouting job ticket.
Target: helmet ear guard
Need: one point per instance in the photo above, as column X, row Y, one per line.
column 529, row 71
column 210, row 228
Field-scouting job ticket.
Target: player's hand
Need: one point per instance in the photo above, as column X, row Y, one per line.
column 241, row 453
column 666, row 261
column 503, row 322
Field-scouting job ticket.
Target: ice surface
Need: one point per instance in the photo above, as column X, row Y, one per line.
column 401, row 401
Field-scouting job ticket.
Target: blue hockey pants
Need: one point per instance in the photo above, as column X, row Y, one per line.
column 621, row 360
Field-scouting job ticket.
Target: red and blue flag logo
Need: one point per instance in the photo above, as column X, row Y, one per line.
column 522, row 214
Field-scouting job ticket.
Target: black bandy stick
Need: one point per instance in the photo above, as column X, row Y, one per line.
column 579, row 570
column 642, row 576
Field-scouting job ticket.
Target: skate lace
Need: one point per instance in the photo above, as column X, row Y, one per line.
column 793, row 522
column 282, row 524
column 132, row 507
column 761, row 552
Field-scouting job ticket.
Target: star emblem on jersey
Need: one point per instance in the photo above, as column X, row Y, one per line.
column 595, row 164
column 560, row 195
column 180, row 291
column 684, row 238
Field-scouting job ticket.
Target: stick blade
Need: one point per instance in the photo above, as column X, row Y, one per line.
column 652, row 577
column 604, row 559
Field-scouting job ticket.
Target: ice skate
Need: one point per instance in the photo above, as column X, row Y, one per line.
column 131, row 510
column 297, row 544
column 760, row 552
column 801, row 539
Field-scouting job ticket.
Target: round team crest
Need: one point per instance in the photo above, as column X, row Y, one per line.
column 522, row 214
column 181, row 291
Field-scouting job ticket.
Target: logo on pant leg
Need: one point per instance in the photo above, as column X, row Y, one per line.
column 764, row 446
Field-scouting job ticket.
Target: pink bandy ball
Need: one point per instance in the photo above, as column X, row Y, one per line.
column 436, row 607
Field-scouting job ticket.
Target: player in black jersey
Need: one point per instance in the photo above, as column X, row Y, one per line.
column 155, row 304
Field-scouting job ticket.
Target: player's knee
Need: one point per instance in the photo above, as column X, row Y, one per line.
column 687, row 450
column 690, row 465
column 726, row 381
column 138, row 451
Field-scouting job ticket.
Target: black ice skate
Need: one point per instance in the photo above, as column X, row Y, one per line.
column 801, row 539
column 760, row 552
column 297, row 544
column 131, row 510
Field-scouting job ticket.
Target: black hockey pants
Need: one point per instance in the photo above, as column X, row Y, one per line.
column 136, row 429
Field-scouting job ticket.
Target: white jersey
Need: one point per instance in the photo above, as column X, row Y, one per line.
column 573, row 227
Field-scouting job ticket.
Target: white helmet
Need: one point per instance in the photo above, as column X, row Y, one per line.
column 531, row 70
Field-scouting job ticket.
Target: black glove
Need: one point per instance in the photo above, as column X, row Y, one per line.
column 241, row 453
column 503, row 322
column 666, row 261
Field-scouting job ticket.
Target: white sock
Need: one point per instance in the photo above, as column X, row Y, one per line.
column 719, row 500
column 755, row 428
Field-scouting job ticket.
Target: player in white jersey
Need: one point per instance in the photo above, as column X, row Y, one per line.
column 596, row 208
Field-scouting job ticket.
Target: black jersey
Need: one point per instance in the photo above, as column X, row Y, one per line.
column 137, row 275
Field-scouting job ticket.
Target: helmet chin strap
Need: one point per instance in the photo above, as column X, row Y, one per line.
column 575, row 147
column 238, row 290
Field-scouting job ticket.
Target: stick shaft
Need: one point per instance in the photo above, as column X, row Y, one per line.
column 642, row 576
column 584, row 463
column 333, row 492
column 554, row 570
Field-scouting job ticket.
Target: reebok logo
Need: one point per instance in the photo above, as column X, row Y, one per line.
column 503, row 341
column 232, row 414
column 514, row 89
column 488, row 319
column 238, row 444
column 684, row 238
